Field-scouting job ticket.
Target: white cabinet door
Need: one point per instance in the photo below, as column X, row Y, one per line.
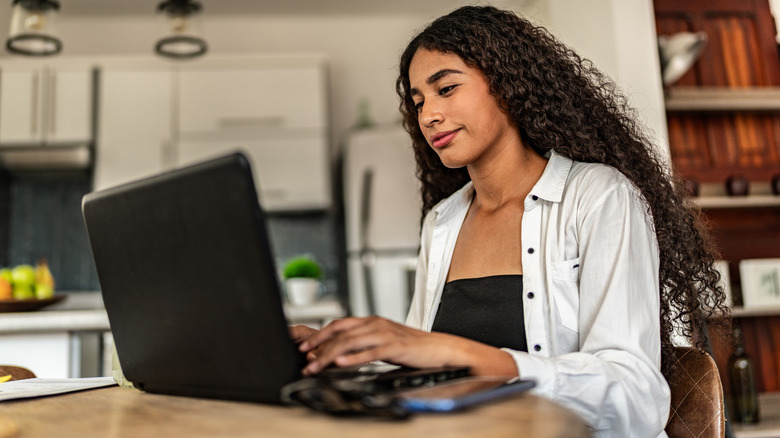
column 70, row 106
column 48, row 355
column 135, row 125
column 274, row 97
column 20, row 103
column 290, row 173
column 45, row 105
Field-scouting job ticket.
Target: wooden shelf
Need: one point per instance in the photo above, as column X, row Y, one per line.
column 688, row 99
column 769, row 414
column 741, row 312
column 712, row 202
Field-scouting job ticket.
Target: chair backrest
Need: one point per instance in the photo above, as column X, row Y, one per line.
column 697, row 396
column 16, row 373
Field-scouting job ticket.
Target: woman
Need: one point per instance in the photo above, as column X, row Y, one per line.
column 555, row 246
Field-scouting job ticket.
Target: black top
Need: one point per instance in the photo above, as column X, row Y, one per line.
column 487, row 310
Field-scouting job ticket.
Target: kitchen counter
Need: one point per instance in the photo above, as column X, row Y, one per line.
column 58, row 341
column 62, row 320
column 82, row 311
column 73, row 337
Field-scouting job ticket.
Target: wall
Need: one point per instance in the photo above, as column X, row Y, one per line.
column 619, row 37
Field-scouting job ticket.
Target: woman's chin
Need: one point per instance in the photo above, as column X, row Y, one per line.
column 452, row 162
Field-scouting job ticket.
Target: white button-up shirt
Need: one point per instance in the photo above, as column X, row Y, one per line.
column 590, row 294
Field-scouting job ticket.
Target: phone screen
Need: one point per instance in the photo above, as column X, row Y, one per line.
column 461, row 393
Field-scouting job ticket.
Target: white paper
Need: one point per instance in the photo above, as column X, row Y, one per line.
column 40, row 387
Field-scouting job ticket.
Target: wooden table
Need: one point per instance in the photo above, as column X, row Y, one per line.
column 117, row 412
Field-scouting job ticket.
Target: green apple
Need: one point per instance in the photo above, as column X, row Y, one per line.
column 23, row 275
column 23, row 292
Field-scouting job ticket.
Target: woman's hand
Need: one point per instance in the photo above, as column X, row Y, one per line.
column 355, row 341
column 300, row 333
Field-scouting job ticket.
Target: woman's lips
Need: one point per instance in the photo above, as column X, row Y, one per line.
column 443, row 138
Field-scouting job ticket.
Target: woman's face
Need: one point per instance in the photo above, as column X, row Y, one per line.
column 457, row 114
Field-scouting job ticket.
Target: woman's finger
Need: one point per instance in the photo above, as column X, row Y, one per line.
column 329, row 331
column 344, row 344
column 300, row 333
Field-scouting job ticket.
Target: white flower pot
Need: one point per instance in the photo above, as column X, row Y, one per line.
column 302, row 291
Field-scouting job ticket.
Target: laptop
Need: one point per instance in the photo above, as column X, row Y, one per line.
column 191, row 289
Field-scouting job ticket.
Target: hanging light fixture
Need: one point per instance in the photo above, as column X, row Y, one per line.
column 34, row 28
column 678, row 53
column 183, row 30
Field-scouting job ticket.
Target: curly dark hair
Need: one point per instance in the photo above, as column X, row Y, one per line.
column 560, row 101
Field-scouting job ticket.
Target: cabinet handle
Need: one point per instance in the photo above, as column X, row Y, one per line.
column 168, row 156
column 45, row 103
column 53, row 102
column 250, row 122
column 34, row 106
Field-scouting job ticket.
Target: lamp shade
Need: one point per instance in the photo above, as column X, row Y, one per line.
column 33, row 29
column 183, row 30
column 678, row 53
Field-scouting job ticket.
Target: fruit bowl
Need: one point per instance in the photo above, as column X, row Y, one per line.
column 7, row 306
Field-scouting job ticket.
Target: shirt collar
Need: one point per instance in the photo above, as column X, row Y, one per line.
column 553, row 180
column 457, row 202
column 549, row 187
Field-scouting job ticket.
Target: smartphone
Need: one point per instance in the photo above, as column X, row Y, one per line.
column 459, row 394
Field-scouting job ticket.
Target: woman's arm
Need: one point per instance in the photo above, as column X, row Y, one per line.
column 612, row 376
column 354, row 341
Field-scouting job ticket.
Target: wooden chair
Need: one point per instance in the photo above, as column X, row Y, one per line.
column 697, row 397
column 17, row 373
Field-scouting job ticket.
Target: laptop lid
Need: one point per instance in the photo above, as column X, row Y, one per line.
column 189, row 283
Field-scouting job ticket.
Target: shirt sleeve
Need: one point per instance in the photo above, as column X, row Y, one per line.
column 614, row 380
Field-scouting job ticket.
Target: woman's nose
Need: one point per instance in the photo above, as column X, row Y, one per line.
column 429, row 116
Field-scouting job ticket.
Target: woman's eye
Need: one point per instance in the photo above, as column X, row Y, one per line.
column 447, row 89
column 418, row 106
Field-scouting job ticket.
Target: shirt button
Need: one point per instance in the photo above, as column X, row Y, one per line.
column 534, row 197
column 530, row 295
column 537, row 347
column 530, row 250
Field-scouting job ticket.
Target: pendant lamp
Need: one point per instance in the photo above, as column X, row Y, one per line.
column 34, row 28
column 183, row 30
column 678, row 53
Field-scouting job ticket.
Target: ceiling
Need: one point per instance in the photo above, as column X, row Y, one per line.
column 233, row 7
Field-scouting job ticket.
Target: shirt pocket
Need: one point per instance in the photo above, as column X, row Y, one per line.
column 566, row 292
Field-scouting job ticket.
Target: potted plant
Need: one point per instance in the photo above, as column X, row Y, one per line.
column 302, row 280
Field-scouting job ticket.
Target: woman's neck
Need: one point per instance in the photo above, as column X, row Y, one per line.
column 507, row 177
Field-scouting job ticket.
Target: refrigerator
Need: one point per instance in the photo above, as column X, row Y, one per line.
column 382, row 221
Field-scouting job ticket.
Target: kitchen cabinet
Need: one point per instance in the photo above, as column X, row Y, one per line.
column 46, row 104
column 289, row 172
column 156, row 115
column 253, row 97
column 135, row 135
column 274, row 110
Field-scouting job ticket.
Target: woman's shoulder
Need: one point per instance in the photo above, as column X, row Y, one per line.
column 598, row 181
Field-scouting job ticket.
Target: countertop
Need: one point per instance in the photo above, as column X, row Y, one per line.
column 84, row 311
column 80, row 311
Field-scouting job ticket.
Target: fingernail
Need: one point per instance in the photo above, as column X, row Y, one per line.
column 304, row 346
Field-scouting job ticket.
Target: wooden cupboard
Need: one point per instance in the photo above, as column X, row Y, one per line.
column 724, row 120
